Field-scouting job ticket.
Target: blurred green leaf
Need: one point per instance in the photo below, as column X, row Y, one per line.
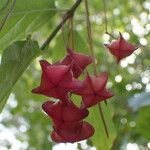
column 143, row 122
column 26, row 17
column 100, row 140
column 15, row 60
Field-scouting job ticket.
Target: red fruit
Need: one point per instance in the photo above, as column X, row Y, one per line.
column 72, row 132
column 68, row 124
column 121, row 48
column 64, row 112
column 69, row 130
column 79, row 62
column 95, row 90
column 57, row 81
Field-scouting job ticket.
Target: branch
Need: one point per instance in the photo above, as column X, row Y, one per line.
column 66, row 16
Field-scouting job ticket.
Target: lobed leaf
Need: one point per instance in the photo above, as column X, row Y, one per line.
column 15, row 60
column 100, row 140
column 26, row 17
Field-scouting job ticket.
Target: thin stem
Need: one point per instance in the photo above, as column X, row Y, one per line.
column 63, row 37
column 106, row 21
column 89, row 31
column 103, row 119
column 7, row 15
column 111, row 35
column 66, row 16
column 63, row 32
column 105, row 16
column 69, row 34
column 72, row 32
column 105, row 102
column 106, row 26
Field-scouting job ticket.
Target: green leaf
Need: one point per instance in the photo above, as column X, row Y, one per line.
column 143, row 122
column 26, row 17
column 15, row 60
column 100, row 140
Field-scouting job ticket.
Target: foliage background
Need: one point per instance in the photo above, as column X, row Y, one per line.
column 23, row 125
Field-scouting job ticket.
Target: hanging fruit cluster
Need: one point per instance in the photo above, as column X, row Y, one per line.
column 59, row 80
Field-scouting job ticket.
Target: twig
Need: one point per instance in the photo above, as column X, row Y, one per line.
column 72, row 32
column 103, row 119
column 111, row 35
column 7, row 15
column 106, row 21
column 63, row 37
column 66, row 16
column 105, row 15
column 93, row 55
column 89, row 31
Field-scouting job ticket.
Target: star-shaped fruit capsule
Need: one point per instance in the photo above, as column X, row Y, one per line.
column 79, row 61
column 57, row 81
column 67, row 119
column 121, row 48
column 64, row 112
column 72, row 132
column 95, row 90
